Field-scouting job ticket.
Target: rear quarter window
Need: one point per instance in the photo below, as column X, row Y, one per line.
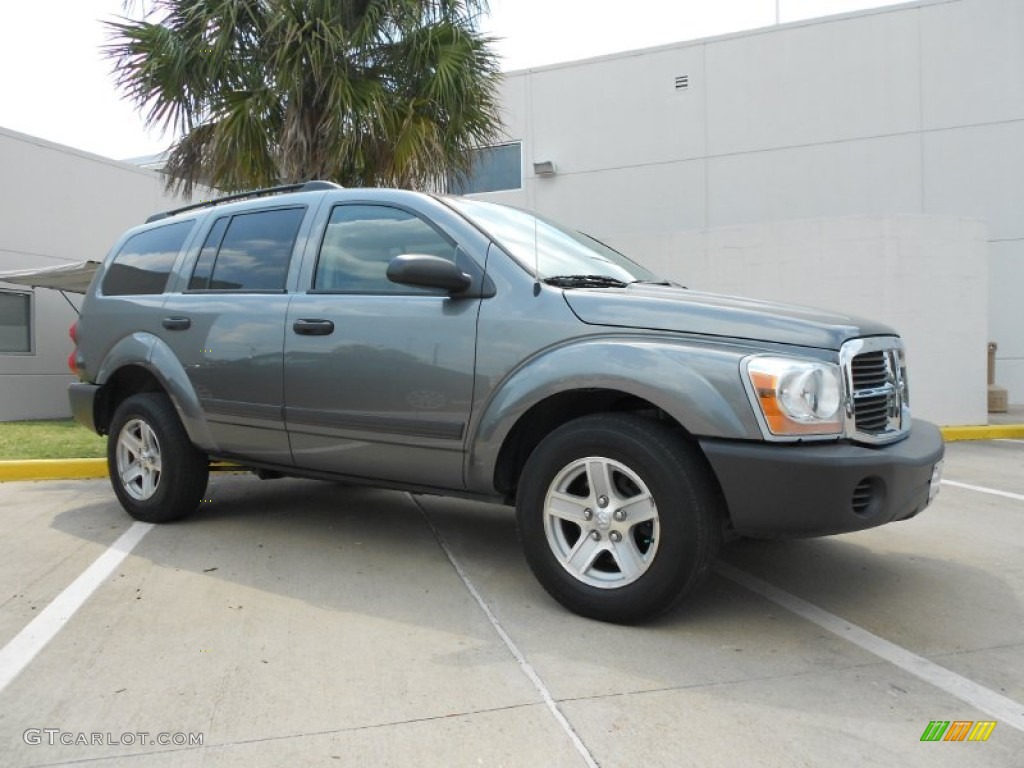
column 144, row 262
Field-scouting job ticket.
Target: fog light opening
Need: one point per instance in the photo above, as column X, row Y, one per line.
column 867, row 496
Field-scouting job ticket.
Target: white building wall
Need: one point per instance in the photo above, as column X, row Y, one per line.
column 914, row 109
column 59, row 205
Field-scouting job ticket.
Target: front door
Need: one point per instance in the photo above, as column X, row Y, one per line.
column 379, row 376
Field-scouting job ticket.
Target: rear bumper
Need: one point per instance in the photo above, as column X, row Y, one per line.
column 83, row 398
column 784, row 491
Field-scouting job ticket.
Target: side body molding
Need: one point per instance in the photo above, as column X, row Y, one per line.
column 697, row 384
column 152, row 353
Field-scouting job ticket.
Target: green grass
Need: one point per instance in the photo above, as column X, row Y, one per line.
column 63, row 439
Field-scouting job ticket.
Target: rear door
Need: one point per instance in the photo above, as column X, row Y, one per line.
column 379, row 376
column 227, row 327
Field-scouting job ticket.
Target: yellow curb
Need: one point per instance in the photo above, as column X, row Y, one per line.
column 984, row 432
column 52, row 469
column 73, row 469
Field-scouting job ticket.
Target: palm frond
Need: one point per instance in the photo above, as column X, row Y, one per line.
column 361, row 91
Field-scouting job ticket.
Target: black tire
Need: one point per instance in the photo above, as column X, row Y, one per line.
column 654, row 562
column 154, row 486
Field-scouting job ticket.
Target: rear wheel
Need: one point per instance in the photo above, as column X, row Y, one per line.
column 618, row 517
column 156, row 472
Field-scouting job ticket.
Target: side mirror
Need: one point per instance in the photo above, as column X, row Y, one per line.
column 428, row 272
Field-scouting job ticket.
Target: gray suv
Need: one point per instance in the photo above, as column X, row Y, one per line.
column 451, row 346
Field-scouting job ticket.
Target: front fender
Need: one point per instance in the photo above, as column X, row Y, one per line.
column 152, row 353
column 696, row 384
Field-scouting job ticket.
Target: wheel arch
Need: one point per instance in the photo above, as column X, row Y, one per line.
column 549, row 414
column 128, row 380
column 143, row 362
column 694, row 387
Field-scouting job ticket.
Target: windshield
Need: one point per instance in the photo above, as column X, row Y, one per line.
column 541, row 245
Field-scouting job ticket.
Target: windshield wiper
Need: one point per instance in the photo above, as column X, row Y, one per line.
column 585, row 281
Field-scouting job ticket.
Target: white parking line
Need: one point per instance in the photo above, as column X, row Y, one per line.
column 983, row 489
column 1005, row 710
column 24, row 647
column 524, row 665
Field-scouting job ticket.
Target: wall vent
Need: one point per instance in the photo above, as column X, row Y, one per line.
column 682, row 82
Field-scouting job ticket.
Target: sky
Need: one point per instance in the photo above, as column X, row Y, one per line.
column 56, row 84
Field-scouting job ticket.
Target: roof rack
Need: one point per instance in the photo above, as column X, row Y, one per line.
column 306, row 186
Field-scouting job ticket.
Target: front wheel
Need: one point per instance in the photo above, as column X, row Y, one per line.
column 618, row 516
column 157, row 474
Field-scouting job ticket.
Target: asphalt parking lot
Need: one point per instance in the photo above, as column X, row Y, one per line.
column 301, row 623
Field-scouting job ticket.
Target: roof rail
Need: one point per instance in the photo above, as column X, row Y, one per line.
column 306, row 186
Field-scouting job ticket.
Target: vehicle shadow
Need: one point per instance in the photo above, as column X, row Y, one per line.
column 373, row 553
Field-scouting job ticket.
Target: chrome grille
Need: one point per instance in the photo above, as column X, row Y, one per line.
column 870, row 372
column 877, row 410
column 872, row 413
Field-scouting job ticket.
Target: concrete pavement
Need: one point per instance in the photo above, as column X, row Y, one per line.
column 294, row 622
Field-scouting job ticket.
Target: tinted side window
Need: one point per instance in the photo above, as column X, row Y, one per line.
column 255, row 252
column 204, row 265
column 360, row 241
column 144, row 262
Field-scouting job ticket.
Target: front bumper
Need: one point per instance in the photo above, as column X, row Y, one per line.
column 777, row 490
column 83, row 397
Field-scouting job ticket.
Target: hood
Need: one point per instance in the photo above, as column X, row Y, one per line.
column 667, row 308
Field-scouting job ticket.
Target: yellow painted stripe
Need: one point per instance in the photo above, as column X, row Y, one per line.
column 71, row 469
column 982, row 730
column 984, row 432
column 52, row 469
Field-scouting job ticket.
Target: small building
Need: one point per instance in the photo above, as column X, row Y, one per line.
column 58, row 205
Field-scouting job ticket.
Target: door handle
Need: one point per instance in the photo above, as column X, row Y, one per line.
column 313, row 327
column 177, row 323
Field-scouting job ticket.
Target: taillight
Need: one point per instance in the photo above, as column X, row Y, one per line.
column 73, row 333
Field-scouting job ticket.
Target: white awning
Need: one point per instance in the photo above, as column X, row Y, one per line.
column 74, row 278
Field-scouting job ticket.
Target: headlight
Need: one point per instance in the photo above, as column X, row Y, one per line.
column 796, row 397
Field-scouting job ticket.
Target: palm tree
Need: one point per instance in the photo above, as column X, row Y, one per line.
column 261, row 92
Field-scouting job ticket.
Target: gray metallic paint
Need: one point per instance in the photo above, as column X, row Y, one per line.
column 689, row 381
column 336, row 395
column 712, row 315
column 147, row 351
column 165, row 366
column 233, row 356
column 392, row 386
column 233, row 352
